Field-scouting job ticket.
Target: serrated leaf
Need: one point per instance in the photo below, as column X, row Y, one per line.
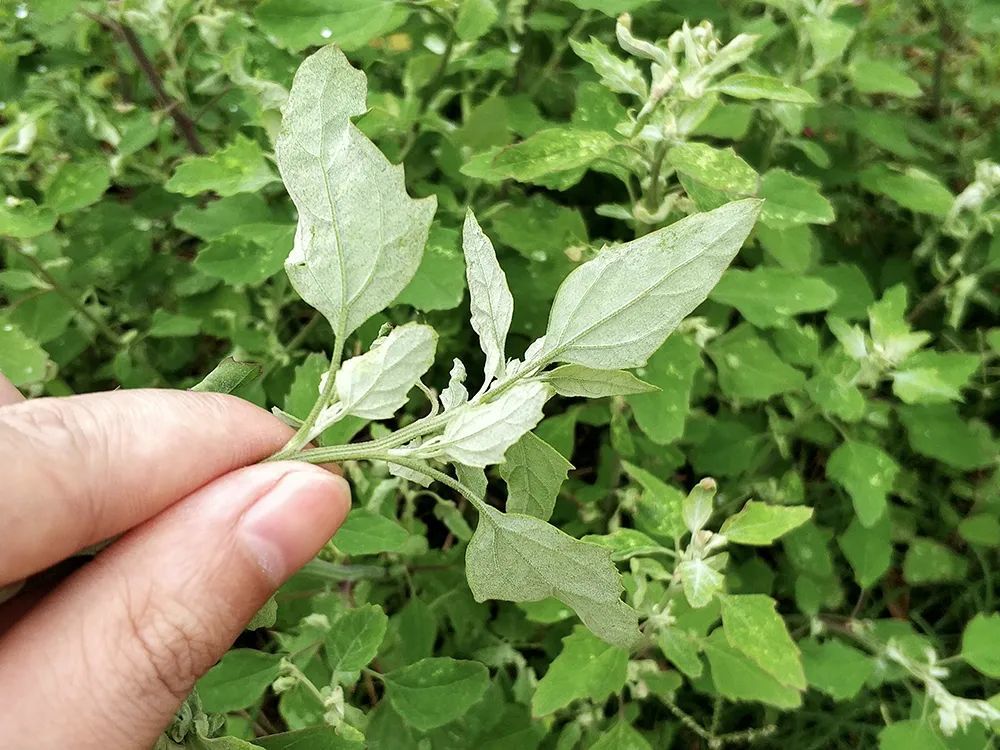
column 360, row 237
column 577, row 380
column 617, row 74
column 483, row 432
column 491, row 305
column 521, row 559
column 585, row 668
column 867, row 473
column 238, row 168
column 354, row 638
column 534, row 471
column 753, row 626
column 607, row 316
column 760, row 524
column 377, row 383
column 434, row 691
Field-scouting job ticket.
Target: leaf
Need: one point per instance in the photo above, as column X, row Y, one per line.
column 769, row 297
column 354, row 638
column 367, row 533
column 879, row 77
column 229, row 376
column 311, row 738
column 577, row 380
column 474, row 19
column 621, row 76
column 682, row 650
column 868, row 550
column 521, row 559
column 939, row 432
column 828, row 38
column 759, row 524
column 867, row 473
column 483, row 432
column 360, row 237
column 22, row 360
column 930, row 562
column 376, row 384
column 738, row 679
column 752, row 626
column 622, row 736
column 835, row 668
column 933, row 377
column 434, row 691
column 585, row 668
column 753, row 86
column 491, row 305
column 248, row 255
column 239, row 680
column 534, row 471
column 700, row 581
column 660, row 508
column 910, row 734
column 716, row 168
column 22, row 219
column 78, row 184
column 661, row 413
column 749, row 368
column 912, row 189
column 351, row 24
column 979, row 644
column 790, row 200
column 548, row 152
column 607, row 316
column 981, row 529
column 439, row 283
column 238, row 168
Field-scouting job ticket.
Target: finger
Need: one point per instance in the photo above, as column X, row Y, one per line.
column 78, row 470
column 119, row 645
column 8, row 393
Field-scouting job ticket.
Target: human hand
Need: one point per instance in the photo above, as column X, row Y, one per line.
column 103, row 659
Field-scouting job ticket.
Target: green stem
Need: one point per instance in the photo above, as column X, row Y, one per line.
column 301, row 437
column 435, row 474
column 557, row 52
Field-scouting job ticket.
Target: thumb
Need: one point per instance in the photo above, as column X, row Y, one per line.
column 118, row 646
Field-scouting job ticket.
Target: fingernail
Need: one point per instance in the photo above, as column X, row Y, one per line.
column 289, row 524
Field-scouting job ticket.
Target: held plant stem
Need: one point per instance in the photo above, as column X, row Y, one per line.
column 301, row 437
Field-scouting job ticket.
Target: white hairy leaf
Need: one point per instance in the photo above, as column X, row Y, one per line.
column 520, row 558
column 375, row 384
column 617, row 309
column 534, row 471
column 490, row 301
column 577, row 380
column 360, row 237
column 455, row 394
column 700, row 581
column 482, row 433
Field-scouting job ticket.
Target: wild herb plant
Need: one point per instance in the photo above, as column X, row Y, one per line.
column 752, row 241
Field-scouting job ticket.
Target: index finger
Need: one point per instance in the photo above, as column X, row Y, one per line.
column 77, row 470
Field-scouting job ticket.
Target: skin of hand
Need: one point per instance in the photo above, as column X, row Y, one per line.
column 103, row 658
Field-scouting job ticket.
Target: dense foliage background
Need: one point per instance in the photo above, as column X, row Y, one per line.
column 845, row 363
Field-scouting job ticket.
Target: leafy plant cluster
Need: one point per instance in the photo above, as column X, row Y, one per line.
column 655, row 338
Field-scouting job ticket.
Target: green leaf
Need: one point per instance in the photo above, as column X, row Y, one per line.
column 790, row 200
column 434, row 691
column 928, row 562
column 621, row 76
column 759, row 524
column 939, row 432
column 752, row 626
column 867, row 473
column 737, row 678
column 879, row 77
column 549, row 152
column 22, row 219
column 716, row 168
column 585, row 668
column 519, row 558
column 661, row 413
column 607, row 316
column 910, row 734
column 981, row 529
column 354, row 638
column 868, row 550
column 312, row 738
column 78, row 184
column 229, row 376
column 439, row 283
column 979, row 644
column 22, row 360
column 360, row 236
column 237, row 168
column 660, row 509
column 248, row 255
column 682, row 649
column 367, row 533
column 749, row 368
column 913, row 189
column 239, row 680
column 491, row 305
column 622, row 736
column 351, row 24
column 534, row 471
column 577, row 380
column 828, row 38
column 752, row 86
column 165, row 325
column 933, row 377
column 768, row 297
column 222, row 216
column 835, row 668
column 474, row 19
column 700, row 581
